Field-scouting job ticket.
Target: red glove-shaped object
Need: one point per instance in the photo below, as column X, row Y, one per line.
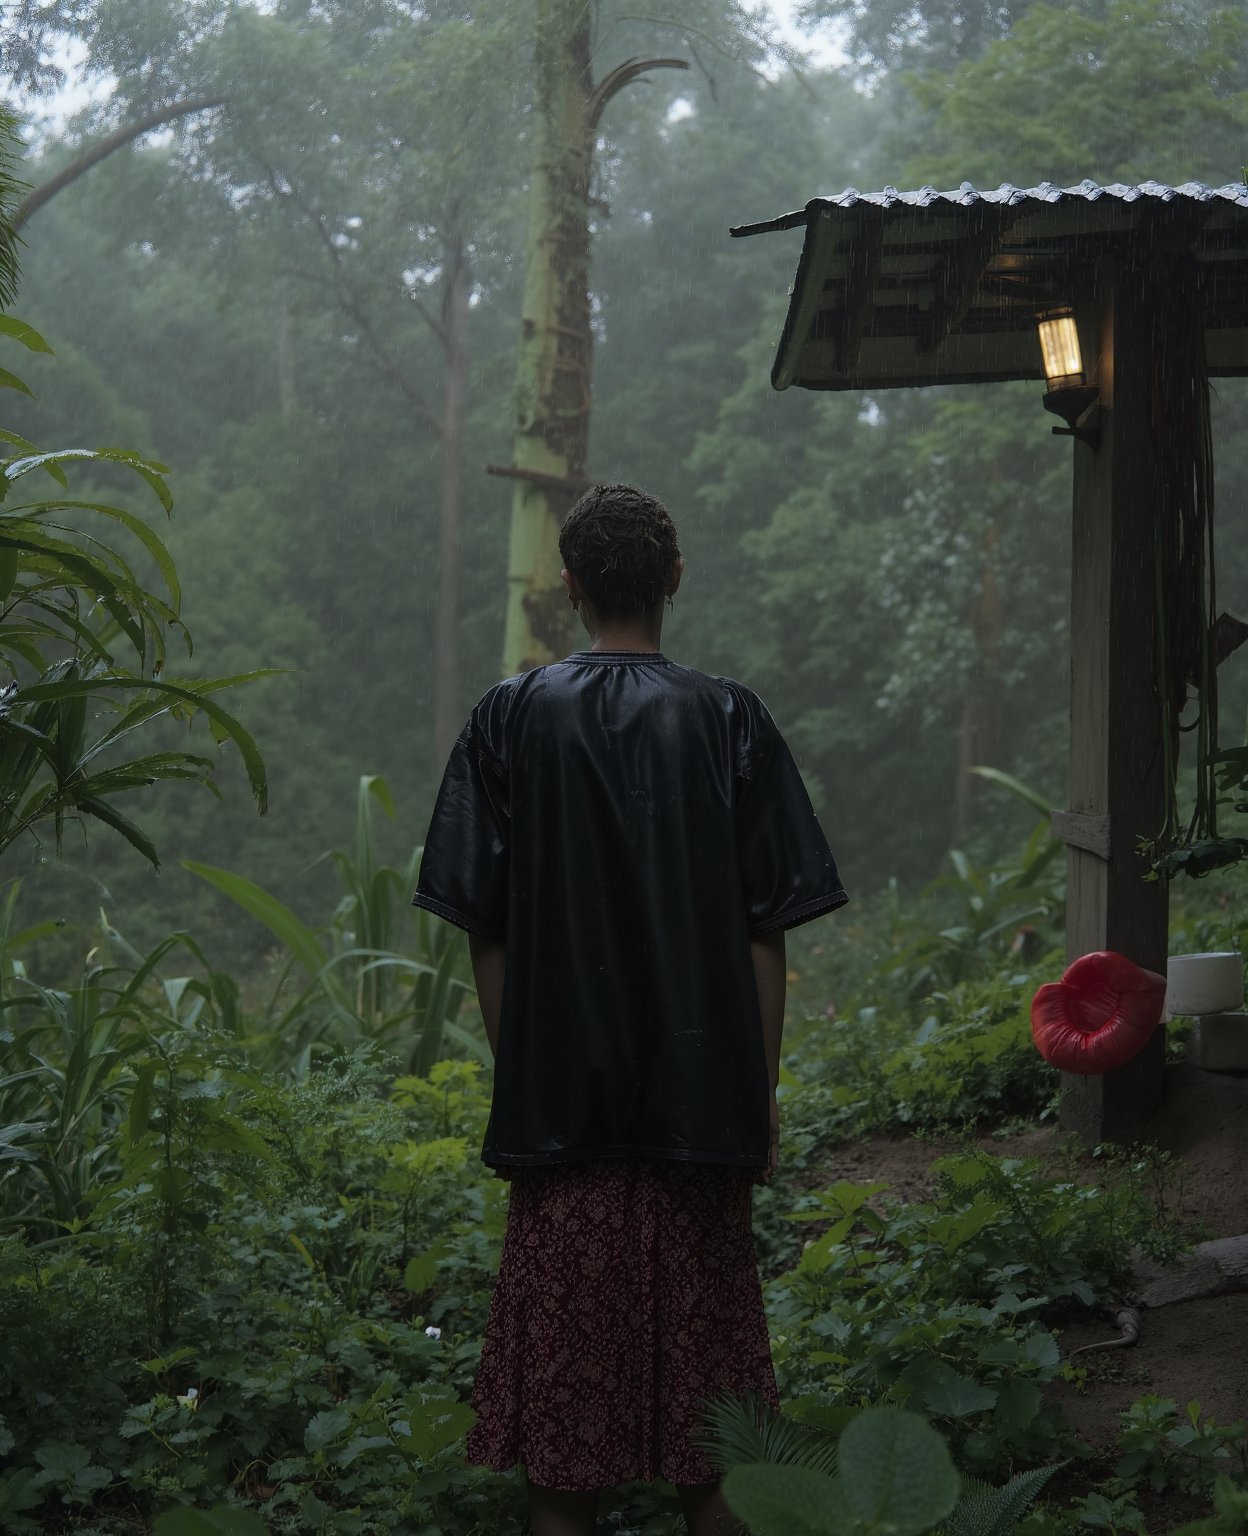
column 1099, row 1015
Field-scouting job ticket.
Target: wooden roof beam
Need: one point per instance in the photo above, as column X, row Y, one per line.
column 959, row 277
column 862, row 274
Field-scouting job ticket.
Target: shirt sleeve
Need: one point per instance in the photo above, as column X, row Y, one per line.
column 788, row 873
column 465, row 864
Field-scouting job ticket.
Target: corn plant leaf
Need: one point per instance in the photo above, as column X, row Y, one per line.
column 1017, row 788
column 274, row 914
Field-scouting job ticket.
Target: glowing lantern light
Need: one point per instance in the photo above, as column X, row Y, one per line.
column 1059, row 346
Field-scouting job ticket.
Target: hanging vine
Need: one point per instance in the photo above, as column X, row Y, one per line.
column 1185, row 585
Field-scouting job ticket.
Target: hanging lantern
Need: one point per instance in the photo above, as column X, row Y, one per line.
column 1059, row 347
column 1069, row 395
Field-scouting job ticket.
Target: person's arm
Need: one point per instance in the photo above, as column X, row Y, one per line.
column 488, row 965
column 770, row 975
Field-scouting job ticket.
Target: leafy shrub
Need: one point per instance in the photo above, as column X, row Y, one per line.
column 948, row 1307
column 969, row 1062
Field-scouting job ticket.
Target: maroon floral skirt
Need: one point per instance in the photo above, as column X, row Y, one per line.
column 627, row 1294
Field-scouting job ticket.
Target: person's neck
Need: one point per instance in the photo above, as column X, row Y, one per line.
column 626, row 638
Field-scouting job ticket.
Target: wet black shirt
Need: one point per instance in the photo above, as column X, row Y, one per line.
column 626, row 826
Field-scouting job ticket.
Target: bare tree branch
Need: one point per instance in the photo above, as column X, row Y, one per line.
column 622, row 75
column 106, row 146
column 349, row 303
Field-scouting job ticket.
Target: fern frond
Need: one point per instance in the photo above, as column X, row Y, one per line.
column 746, row 1429
column 986, row 1511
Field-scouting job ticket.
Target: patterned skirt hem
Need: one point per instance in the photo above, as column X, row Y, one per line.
column 627, row 1295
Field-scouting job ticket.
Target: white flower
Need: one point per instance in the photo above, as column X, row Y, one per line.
column 191, row 1399
column 433, row 1333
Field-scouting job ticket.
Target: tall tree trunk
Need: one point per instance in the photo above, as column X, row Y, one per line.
column 981, row 731
column 553, row 399
column 456, row 294
column 287, row 391
column 553, row 377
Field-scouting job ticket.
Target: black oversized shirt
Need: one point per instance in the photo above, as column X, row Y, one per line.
column 626, row 825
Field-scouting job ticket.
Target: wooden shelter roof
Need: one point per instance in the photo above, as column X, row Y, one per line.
column 898, row 289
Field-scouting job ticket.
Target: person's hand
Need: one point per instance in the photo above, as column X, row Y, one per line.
column 773, row 1146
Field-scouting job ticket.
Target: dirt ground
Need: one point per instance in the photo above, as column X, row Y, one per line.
column 1195, row 1349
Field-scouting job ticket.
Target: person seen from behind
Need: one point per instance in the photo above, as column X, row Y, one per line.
column 626, row 841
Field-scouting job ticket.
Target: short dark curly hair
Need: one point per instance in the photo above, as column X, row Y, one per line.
column 620, row 544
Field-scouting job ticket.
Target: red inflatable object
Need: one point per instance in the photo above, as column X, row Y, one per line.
column 1100, row 1015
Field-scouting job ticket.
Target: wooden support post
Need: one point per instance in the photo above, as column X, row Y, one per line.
column 1115, row 747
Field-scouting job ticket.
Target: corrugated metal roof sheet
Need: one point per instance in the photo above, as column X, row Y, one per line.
column 1004, row 196
column 928, row 287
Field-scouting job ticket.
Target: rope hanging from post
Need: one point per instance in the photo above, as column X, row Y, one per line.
column 1185, row 586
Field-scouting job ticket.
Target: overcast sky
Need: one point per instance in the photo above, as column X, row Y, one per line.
column 820, row 46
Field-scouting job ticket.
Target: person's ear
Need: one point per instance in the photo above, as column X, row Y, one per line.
column 674, row 586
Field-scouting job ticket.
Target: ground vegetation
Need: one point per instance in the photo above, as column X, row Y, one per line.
column 245, row 1242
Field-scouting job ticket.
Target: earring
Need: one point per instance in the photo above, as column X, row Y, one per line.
column 669, row 605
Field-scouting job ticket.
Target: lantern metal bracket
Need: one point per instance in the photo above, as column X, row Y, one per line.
column 1078, row 406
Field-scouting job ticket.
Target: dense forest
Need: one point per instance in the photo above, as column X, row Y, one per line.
column 273, row 295
column 271, row 268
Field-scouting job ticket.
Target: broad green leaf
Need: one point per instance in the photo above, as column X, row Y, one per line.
column 896, row 1472
column 324, row 1428
column 1040, row 1349
column 26, row 335
column 422, row 1270
column 784, row 1501
column 433, row 1426
column 11, row 381
column 226, row 1133
column 21, row 1489
column 159, row 1364
column 220, row 1520
column 359, row 1446
column 840, row 1199
column 943, row 1391
column 61, row 1460
column 1018, row 1402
